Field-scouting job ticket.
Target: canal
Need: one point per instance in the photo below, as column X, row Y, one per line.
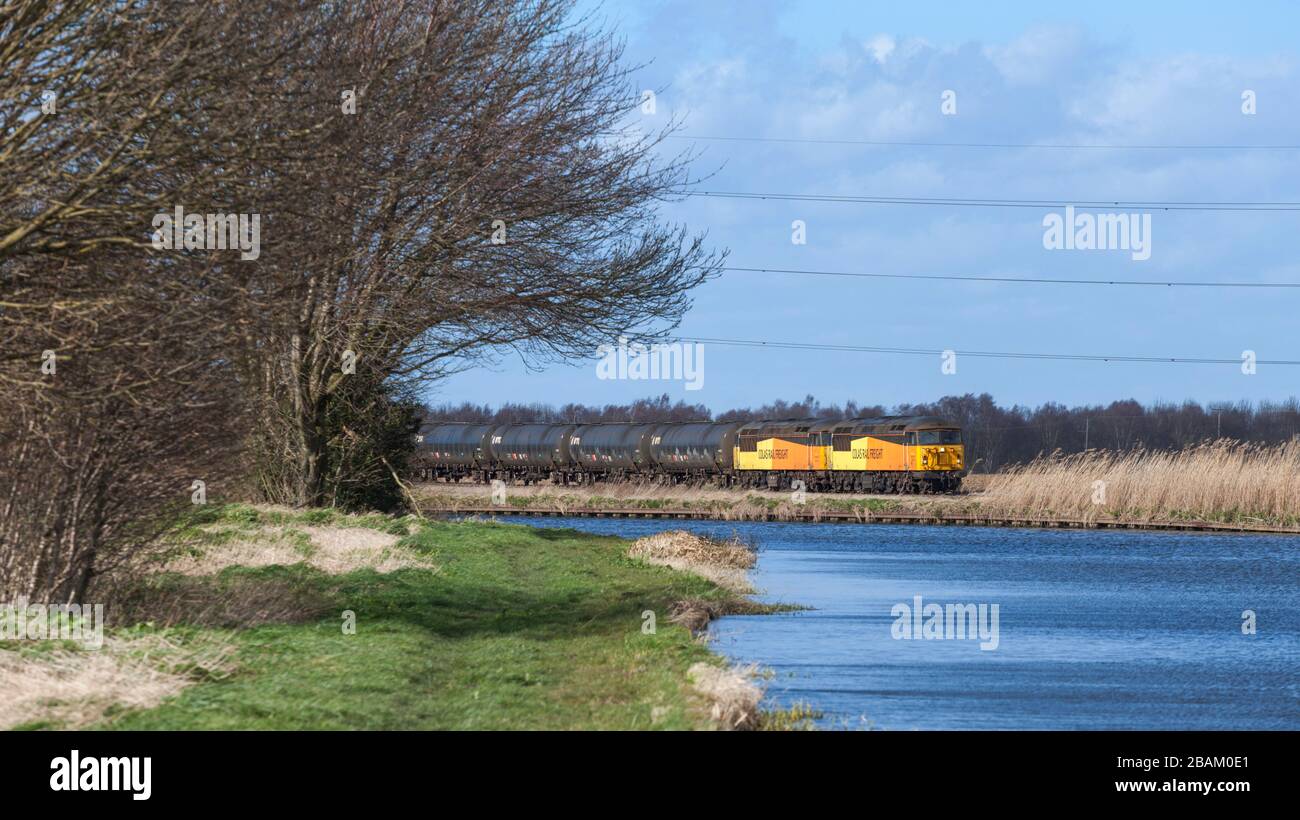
column 1067, row 629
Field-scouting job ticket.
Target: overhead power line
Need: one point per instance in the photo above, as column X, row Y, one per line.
column 984, row 354
column 1032, row 145
column 983, row 202
column 1018, row 279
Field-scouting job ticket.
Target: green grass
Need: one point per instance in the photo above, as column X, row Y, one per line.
column 202, row 521
column 515, row 628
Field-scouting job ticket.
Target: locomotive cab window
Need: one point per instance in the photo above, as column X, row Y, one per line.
column 940, row 437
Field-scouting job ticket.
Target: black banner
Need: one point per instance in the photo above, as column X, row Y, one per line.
column 143, row 771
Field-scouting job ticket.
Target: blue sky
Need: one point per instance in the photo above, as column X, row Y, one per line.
column 1094, row 73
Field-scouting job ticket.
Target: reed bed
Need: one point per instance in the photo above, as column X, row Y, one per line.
column 1220, row 481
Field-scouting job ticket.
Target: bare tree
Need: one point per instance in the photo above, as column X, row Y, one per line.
column 117, row 372
column 474, row 202
column 437, row 183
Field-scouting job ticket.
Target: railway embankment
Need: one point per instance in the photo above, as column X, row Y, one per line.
column 1214, row 490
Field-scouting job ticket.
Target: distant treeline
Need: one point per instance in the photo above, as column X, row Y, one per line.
column 996, row 436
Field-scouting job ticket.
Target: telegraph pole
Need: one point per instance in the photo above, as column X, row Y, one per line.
column 1087, row 422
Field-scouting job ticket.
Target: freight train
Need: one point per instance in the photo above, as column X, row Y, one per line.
column 888, row 454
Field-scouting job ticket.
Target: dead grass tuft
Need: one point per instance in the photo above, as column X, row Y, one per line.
column 732, row 695
column 696, row 613
column 335, row 550
column 722, row 562
column 71, row 689
column 687, row 546
column 341, row 550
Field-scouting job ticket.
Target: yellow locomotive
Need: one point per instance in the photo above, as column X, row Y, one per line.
column 886, row 454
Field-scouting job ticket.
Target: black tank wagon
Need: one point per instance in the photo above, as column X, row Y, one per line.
column 529, row 452
column 618, row 450
column 451, row 451
column 694, row 451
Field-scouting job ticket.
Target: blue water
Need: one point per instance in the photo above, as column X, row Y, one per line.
column 1097, row 629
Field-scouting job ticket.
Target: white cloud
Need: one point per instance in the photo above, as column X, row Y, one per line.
column 1039, row 55
column 881, row 46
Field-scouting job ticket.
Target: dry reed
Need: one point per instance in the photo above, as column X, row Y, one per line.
column 1223, row 481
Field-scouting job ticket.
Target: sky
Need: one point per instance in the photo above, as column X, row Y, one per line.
column 1163, row 74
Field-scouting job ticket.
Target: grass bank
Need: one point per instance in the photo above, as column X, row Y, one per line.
column 466, row 625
